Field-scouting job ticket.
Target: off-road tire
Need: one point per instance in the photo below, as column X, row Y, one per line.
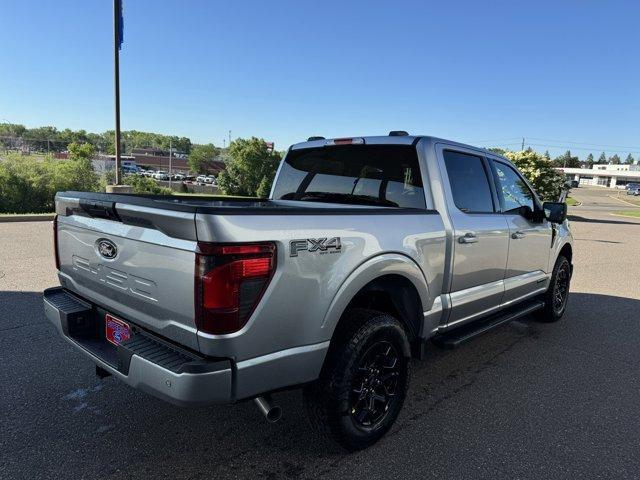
column 554, row 307
column 331, row 401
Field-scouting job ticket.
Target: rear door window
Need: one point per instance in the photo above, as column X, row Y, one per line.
column 469, row 182
column 384, row 175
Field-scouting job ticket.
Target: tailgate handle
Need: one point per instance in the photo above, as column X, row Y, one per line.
column 100, row 209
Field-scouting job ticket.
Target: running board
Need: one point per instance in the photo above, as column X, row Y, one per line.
column 456, row 337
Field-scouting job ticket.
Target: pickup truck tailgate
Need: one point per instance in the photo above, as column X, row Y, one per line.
column 132, row 266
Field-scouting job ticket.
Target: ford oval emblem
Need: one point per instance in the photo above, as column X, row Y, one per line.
column 107, row 249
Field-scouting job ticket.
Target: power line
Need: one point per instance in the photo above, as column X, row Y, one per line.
column 581, row 148
column 585, row 143
column 563, row 144
column 559, row 147
column 493, row 140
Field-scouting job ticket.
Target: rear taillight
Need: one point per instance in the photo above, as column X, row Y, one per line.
column 229, row 282
column 55, row 242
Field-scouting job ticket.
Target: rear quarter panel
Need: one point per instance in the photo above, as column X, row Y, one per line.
column 295, row 309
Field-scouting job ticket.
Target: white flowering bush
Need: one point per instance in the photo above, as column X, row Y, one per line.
column 546, row 181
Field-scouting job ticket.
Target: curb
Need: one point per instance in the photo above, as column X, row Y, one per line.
column 623, row 201
column 47, row 217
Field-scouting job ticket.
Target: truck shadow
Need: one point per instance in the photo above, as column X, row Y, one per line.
column 62, row 417
column 576, row 218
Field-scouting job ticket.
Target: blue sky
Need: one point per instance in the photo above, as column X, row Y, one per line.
column 474, row 71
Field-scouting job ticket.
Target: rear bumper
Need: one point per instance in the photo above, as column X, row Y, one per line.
column 148, row 364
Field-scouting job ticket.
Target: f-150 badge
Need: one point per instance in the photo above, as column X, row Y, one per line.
column 320, row 245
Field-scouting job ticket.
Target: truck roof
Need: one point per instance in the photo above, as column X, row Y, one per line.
column 388, row 140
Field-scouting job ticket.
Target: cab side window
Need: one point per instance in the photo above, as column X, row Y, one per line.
column 514, row 192
column 469, row 182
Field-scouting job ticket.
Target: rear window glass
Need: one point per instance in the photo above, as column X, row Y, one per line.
column 385, row 175
column 469, row 182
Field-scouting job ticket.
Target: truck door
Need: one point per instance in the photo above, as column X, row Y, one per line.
column 480, row 234
column 530, row 236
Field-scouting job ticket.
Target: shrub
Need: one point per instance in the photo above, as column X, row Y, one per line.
column 145, row 185
column 546, row 181
column 29, row 184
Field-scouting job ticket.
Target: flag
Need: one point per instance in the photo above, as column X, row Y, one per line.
column 120, row 25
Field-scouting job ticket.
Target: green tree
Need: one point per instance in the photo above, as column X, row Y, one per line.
column 77, row 173
column 546, row 181
column 602, row 158
column 40, row 138
column 614, row 159
column 629, row 160
column 546, row 155
column 201, row 157
column 567, row 160
column 589, row 160
column 250, row 169
column 498, row 150
column 264, row 189
column 81, row 151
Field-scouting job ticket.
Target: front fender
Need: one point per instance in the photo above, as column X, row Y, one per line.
column 563, row 237
column 378, row 266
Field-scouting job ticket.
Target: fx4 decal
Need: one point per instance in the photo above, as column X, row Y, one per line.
column 320, row 245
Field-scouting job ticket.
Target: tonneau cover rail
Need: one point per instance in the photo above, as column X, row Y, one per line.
column 68, row 203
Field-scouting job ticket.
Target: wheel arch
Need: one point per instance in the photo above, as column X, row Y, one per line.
column 390, row 283
column 567, row 251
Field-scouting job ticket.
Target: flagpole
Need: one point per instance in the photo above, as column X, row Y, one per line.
column 116, row 64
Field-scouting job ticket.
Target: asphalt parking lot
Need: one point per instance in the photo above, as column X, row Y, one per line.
column 525, row 401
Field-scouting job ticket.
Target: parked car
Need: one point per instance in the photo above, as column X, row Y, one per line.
column 161, row 175
column 634, row 190
column 368, row 250
column 201, row 179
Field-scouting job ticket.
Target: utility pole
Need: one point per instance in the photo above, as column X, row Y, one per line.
column 116, row 77
column 229, row 137
column 170, row 173
column 522, row 143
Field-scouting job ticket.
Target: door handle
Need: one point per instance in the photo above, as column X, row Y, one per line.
column 517, row 235
column 468, row 237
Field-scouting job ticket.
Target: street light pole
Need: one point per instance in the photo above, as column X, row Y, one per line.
column 116, row 64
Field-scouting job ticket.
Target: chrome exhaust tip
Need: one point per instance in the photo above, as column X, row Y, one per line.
column 272, row 413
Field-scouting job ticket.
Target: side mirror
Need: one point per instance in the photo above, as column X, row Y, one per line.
column 526, row 212
column 555, row 212
column 535, row 216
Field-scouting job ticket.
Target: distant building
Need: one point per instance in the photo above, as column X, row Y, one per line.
column 159, row 160
column 104, row 163
column 604, row 175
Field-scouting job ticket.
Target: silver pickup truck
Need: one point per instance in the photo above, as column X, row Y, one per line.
column 366, row 249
